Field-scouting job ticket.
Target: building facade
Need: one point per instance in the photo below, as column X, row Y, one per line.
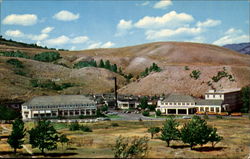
column 61, row 105
column 215, row 102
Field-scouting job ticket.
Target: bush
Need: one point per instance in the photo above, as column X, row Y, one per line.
column 219, row 117
column 186, row 68
column 195, row 74
column 74, row 126
column 16, row 63
column 114, row 124
column 47, row 56
column 14, row 54
column 205, row 116
column 48, row 84
column 145, row 113
column 7, row 113
column 19, row 72
column 158, row 113
column 134, row 147
column 85, row 128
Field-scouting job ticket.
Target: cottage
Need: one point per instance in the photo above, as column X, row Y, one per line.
column 61, row 105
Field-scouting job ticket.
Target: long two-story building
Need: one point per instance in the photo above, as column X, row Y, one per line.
column 60, row 105
column 215, row 101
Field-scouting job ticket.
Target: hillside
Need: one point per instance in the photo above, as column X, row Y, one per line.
column 243, row 48
column 172, row 57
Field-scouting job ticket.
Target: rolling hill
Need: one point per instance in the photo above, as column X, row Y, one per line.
column 173, row 58
column 243, row 48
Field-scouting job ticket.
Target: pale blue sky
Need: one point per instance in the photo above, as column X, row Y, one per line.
column 78, row 25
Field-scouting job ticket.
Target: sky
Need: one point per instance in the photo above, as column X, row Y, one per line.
column 88, row 24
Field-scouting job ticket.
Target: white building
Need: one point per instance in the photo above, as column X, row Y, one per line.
column 176, row 104
column 61, row 105
column 215, row 101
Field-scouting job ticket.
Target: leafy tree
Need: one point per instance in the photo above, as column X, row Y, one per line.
column 63, row 139
column 101, row 64
column 154, row 130
column 245, row 98
column 74, row 126
column 134, row 147
column 104, row 108
column 199, row 130
column 16, row 63
column 158, row 113
column 169, row 131
column 7, row 113
column 195, row 74
column 43, row 136
column 47, row 56
column 143, row 103
column 15, row 139
column 214, row 138
column 145, row 113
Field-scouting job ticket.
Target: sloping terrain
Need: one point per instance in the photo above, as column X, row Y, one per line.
column 243, row 48
column 171, row 57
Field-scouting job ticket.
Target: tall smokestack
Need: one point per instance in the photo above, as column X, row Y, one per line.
column 116, row 104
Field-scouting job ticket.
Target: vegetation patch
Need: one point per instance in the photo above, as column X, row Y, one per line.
column 47, row 56
column 222, row 74
column 7, row 113
column 154, row 67
column 48, row 84
column 195, row 74
column 14, row 54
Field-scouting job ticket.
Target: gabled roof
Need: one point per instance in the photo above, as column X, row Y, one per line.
column 178, row 98
column 59, row 100
column 208, row 102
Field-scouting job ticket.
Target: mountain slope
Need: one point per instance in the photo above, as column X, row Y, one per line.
column 172, row 57
column 242, row 47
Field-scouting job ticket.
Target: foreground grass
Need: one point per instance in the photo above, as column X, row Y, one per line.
column 235, row 131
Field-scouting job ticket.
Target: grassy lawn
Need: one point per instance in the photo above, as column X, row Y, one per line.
column 98, row 144
column 114, row 116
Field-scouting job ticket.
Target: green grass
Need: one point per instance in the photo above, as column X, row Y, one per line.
column 59, row 126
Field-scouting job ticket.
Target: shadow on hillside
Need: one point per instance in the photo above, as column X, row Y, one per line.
column 6, row 152
column 208, row 148
column 52, row 154
column 179, row 146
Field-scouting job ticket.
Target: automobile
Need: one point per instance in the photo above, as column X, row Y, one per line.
column 186, row 117
column 102, row 119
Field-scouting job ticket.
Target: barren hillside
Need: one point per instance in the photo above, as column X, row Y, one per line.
column 172, row 57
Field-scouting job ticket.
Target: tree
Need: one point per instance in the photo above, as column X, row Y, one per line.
column 104, row 108
column 114, row 68
column 245, row 97
column 200, row 132
column 63, row 139
column 214, row 138
column 169, row 131
column 158, row 113
column 143, row 103
column 145, row 113
column 195, row 74
column 47, row 56
column 134, row 147
column 15, row 139
column 154, row 130
column 43, row 136
column 101, row 64
column 107, row 65
column 16, row 63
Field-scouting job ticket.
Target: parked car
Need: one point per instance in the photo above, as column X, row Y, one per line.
column 186, row 117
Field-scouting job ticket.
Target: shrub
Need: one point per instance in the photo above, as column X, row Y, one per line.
column 19, row 72
column 7, row 113
column 134, row 147
column 47, row 56
column 74, row 126
column 14, row 54
column 145, row 113
column 158, row 113
column 154, row 130
column 205, row 116
column 114, row 124
column 85, row 128
column 186, row 68
column 195, row 74
column 219, row 117
column 16, row 63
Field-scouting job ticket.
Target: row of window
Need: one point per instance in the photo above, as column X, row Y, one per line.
column 177, row 103
column 60, row 106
